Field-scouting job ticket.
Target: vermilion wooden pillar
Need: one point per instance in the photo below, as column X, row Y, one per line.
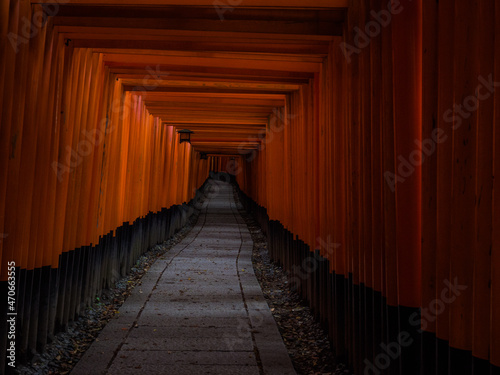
column 445, row 100
column 495, row 260
column 463, row 213
column 429, row 178
column 407, row 57
column 485, row 19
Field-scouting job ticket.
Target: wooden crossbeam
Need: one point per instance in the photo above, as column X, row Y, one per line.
column 125, row 59
column 208, row 3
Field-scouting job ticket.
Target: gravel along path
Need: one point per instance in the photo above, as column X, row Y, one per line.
column 307, row 343
column 68, row 347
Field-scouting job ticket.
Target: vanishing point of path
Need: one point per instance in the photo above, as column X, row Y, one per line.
column 199, row 309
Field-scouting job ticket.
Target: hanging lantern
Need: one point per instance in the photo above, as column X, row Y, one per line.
column 185, row 135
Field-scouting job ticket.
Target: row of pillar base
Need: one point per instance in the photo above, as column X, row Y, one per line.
column 367, row 334
column 48, row 299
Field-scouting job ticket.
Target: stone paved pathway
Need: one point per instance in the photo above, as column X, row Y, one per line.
column 199, row 309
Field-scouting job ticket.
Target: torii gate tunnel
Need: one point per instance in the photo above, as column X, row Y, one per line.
column 363, row 134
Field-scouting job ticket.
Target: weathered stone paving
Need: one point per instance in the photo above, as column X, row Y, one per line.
column 199, row 309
